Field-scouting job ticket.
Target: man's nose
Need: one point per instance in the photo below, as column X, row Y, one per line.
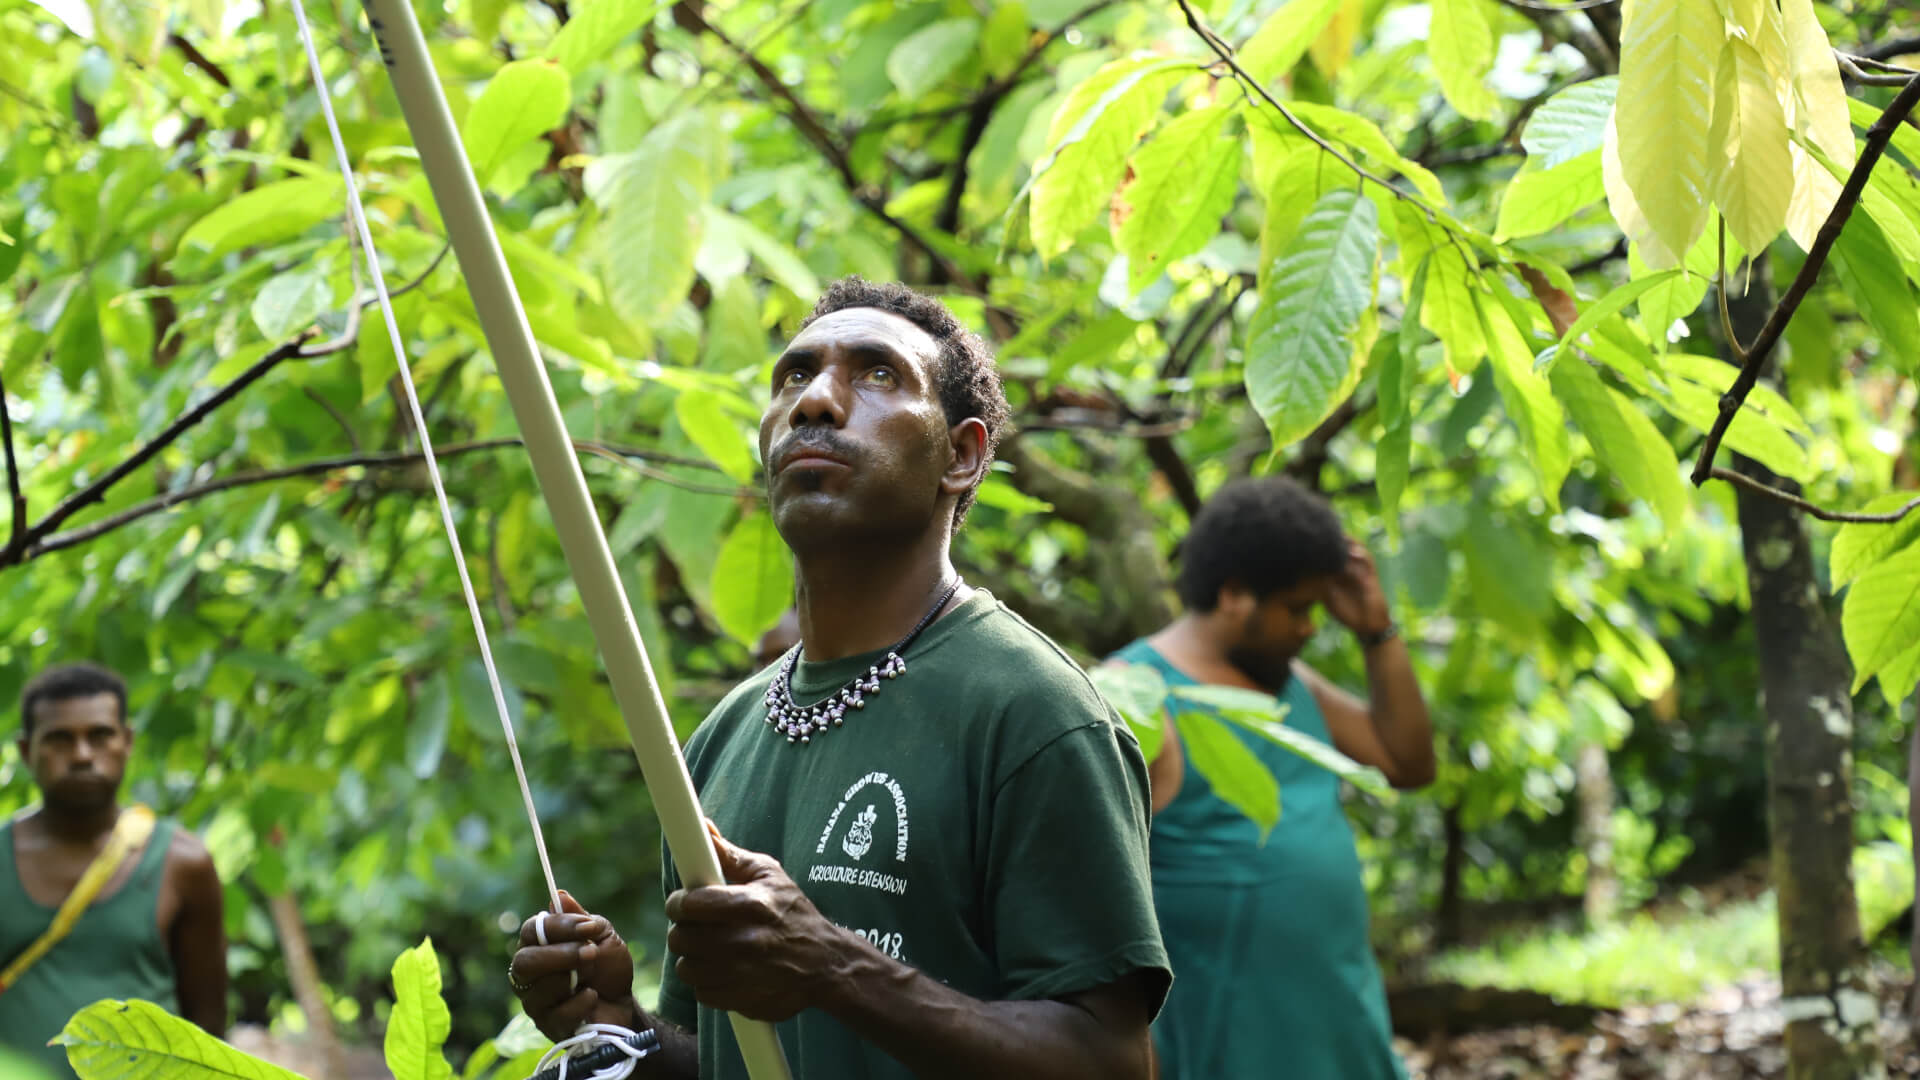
column 824, row 401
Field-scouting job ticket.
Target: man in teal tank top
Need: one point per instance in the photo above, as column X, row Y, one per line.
column 155, row 929
column 1274, row 974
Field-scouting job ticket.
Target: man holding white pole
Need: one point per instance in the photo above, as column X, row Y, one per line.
column 934, row 828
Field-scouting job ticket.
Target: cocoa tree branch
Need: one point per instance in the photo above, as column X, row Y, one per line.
column 1076, row 497
column 33, row 535
column 1887, row 50
column 1166, row 457
column 18, row 500
column 1587, row 35
column 199, row 59
column 803, row 117
column 32, row 538
column 980, row 113
column 1033, row 53
column 1226, row 54
column 634, row 458
column 1811, row 510
column 1317, row 447
column 1131, row 429
column 1889, row 74
column 1757, row 353
column 1205, row 318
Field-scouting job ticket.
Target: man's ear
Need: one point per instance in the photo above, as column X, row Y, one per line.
column 967, row 468
column 1235, row 601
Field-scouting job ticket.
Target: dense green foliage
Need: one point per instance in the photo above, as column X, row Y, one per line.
column 1181, row 288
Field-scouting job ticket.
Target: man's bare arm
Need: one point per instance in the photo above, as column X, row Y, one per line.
column 942, row 1034
column 1391, row 729
column 198, row 937
column 679, row 1054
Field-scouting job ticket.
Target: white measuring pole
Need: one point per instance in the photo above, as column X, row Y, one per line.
column 557, row 469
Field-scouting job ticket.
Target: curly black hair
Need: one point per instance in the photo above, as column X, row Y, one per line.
column 1266, row 534
column 968, row 381
column 66, row 682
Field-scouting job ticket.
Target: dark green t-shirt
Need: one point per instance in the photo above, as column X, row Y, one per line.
column 984, row 818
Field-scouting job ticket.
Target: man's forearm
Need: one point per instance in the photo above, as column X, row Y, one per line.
column 1399, row 712
column 942, row 1034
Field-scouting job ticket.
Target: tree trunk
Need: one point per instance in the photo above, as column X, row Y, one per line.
column 1595, row 792
column 304, row 973
column 1826, row 993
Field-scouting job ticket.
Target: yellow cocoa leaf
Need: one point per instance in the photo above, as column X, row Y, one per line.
column 1664, row 113
column 1817, row 113
column 1626, row 208
column 1334, row 47
column 1751, row 171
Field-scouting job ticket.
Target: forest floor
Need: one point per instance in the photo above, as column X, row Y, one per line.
column 1731, row 1031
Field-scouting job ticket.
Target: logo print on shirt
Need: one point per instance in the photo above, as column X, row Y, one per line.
column 860, row 837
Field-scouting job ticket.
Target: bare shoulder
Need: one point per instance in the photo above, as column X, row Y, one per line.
column 189, row 860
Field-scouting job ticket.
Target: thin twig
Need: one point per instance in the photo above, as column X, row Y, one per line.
column 697, row 93
column 1720, row 285
column 1871, row 151
column 1881, row 65
column 803, row 117
column 199, row 59
column 333, row 410
column 632, row 457
column 1130, row 430
column 1851, row 67
column 1473, row 156
column 1226, row 54
column 1553, row 9
column 1048, row 38
column 19, row 501
column 31, row 538
column 1798, row 503
column 1166, row 457
column 980, row 114
column 1886, row 50
column 296, row 348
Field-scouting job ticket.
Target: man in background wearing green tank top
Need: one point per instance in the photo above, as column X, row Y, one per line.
column 1274, row 974
column 155, row 929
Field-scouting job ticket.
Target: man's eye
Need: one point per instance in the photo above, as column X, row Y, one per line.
column 883, row 375
column 794, row 377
